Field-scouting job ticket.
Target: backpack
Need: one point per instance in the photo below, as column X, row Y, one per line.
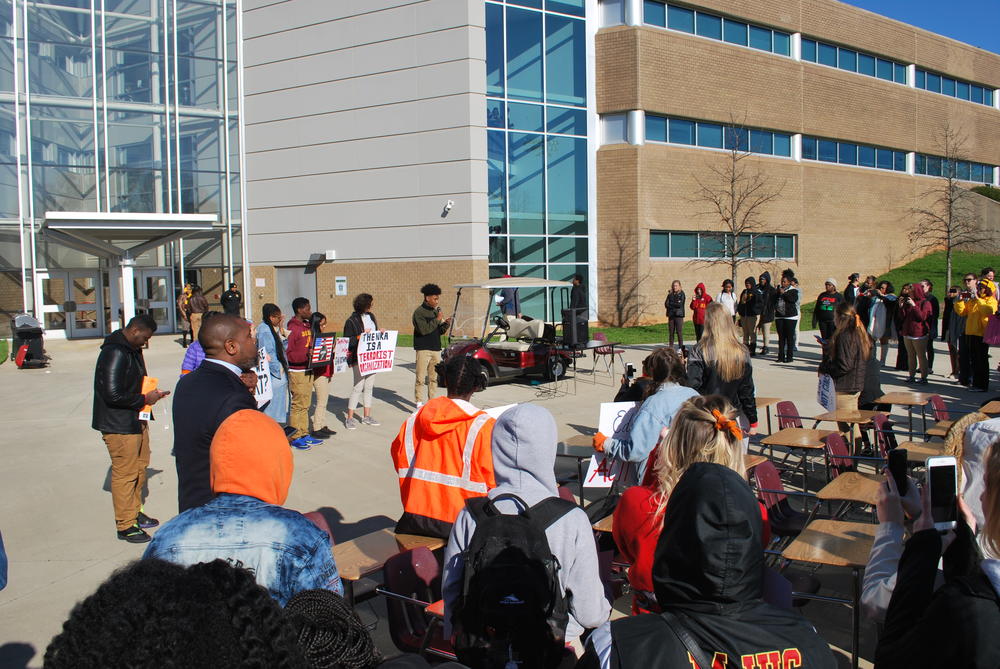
column 511, row 613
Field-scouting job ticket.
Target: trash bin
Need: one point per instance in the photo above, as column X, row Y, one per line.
column 27, row 335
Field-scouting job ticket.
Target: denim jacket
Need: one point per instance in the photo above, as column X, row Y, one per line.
column 286, row 552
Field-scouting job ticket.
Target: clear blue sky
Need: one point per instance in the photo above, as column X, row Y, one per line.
column 975, row 22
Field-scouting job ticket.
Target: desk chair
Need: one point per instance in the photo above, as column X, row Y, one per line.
column 412, row 583
column 786, row 523
column 607, row 352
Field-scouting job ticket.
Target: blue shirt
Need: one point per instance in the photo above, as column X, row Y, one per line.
column 286, row 552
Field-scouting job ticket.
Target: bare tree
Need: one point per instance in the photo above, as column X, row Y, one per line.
column 734, row 195
column 622, row 268
column 946, row 215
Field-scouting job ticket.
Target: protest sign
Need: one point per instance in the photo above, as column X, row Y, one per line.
column 263, row 392
column 322, row 350
column 826, row 393
column 340, row 349
column 615, row 421
column 376, row 351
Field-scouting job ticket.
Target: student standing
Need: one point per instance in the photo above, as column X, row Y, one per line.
column 300, row 377
column 271, row 336
column 785, row 313
column 952, row 328
column 361, row 321
column 197, row 308
column 933, row 322
column 727, row 298
column 845, row 358
column 766, row 296
column 977, row 310
column 851, row 291
column 698, row 305
column 915, row 312
column 428, row 326
column 674, row 305
column 748, row 310
column 182, row 310
column 826, row 305
column 320, row 382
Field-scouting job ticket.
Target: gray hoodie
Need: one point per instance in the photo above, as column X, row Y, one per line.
column 524, row 455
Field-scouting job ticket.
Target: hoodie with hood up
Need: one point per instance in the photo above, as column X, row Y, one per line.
column 749, row 304
column 767, row 295
column 524, row 455
column 699, row 304
column 709, row 571
column 915, row 320
column 245, row 524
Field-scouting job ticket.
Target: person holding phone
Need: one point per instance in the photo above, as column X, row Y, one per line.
column 914, row 329
column 978, row 307
column 956, row 625
column 845, row 358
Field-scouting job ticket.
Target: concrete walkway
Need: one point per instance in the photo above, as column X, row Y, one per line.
column 55, row 505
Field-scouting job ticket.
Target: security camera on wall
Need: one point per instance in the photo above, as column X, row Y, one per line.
column 451, row 203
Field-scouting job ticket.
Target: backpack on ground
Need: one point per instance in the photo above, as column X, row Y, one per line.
column 511, row 613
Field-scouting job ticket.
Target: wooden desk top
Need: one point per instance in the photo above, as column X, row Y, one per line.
column 905, row 398
column 991, row 408
column 764, row 402
column 367, row 554
column 852, row 487
column 797, row 437
column 750, row 461
column 940, row 428
column 918, row 451
column 848, row 416
column 605, row 524
column 833, row 542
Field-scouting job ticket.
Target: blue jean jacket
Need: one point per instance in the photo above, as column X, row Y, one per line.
column 286, row 552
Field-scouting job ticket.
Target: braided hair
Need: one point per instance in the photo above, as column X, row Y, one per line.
column 329, row 634
column 462, row 374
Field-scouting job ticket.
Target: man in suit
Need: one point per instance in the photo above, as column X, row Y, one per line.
column 206, row 397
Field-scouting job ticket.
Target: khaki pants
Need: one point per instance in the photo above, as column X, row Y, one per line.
column 129, row 459
column 916, row 353
column 847, row 402
column 765, row 332
column 195, row 326
column 426, row 385
column 321, row 384
column 301, row 385
column 749, row 325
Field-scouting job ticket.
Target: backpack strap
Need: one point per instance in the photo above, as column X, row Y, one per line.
column 678, row 627
column 484, row 507
column 549, row 510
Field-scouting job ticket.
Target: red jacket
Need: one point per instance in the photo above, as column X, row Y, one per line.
column 299, row 344
column 913, row 319
column 699, row 304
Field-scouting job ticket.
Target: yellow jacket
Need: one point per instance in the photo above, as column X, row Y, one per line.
column 977, row 312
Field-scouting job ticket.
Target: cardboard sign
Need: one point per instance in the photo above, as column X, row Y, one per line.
column 340, row 349
column 376, row 351
column 322, row 350
column 148, row 385
column 615, row 421
column 263, row 392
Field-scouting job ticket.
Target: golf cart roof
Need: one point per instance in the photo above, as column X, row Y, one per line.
column 517, row 282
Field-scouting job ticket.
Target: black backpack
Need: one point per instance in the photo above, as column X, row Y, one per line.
column 511, row 613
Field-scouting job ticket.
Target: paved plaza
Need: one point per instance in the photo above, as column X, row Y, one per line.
column 55, row 505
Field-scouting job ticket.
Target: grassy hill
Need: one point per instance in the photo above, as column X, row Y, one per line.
column 931, row 267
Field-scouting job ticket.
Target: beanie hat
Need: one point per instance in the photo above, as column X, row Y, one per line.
column 986, row 286
column 832, row 282
column 250, row 456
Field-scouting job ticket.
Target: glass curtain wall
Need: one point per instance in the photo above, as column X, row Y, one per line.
column 120, row 106
column 536, row 87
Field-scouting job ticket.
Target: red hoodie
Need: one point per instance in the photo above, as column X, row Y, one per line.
column 699, row 304
column 915, row 317
column 299, row 344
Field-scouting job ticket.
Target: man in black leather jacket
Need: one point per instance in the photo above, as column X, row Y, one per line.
column 118, row 401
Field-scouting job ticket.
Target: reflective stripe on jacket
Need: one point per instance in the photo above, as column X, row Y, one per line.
column 442, row 456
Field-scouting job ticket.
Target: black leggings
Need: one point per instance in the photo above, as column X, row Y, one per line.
column 826, row 329
column 675, row 325
column 980, row 358
column 698, row 329
column 786, row 338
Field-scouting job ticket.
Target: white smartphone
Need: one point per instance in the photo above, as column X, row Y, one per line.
column 942, row 486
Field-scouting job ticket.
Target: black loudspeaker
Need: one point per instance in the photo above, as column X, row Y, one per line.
column 575, row 327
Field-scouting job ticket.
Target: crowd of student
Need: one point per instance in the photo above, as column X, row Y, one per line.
column 241, row 575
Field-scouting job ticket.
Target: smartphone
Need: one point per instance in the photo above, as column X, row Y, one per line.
column 897, row 468
column 629, row 371
column 942, row 485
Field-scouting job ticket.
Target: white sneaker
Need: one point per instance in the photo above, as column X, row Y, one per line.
column 351, row 423
column 368, row 420
column 419, row 404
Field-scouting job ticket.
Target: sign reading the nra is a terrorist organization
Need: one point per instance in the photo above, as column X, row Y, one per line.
column 376, row 351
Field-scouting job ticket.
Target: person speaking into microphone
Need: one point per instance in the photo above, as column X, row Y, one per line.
column 428, row 326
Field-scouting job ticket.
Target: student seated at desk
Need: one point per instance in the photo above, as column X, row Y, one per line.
column 442, row 453
column 708, row 574
column 251, row 471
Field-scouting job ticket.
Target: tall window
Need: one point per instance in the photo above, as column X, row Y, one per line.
column 536, row 88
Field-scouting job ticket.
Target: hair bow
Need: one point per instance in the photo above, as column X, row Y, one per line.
column 723, row 424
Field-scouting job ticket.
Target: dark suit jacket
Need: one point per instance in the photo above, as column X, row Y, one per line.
column 202, row 400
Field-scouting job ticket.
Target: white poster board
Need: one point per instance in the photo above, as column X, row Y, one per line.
column 376, row 351
column 826, row 393
column 495, row 412
column 340, row 349
column 615, row 421
column 263, row 393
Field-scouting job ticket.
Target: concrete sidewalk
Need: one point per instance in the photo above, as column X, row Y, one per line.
column 57, row 520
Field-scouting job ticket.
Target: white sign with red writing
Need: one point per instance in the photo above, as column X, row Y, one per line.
column 615, row 422
column 340, row 349
column 376, row 351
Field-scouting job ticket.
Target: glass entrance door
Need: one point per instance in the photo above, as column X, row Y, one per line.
column 84, row 288
column 155, row 290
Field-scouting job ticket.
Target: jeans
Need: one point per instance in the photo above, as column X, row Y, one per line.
column 786, row 338
column 301, row 386
column 129, row 459
column 277, row 408
column 425, row 387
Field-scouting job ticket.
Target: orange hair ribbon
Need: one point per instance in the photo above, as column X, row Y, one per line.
column 722, row 423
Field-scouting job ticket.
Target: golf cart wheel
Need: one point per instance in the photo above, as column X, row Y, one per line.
column 555, row 369
column 485, row 378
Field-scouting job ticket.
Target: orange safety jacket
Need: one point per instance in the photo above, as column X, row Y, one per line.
column 442, row 455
